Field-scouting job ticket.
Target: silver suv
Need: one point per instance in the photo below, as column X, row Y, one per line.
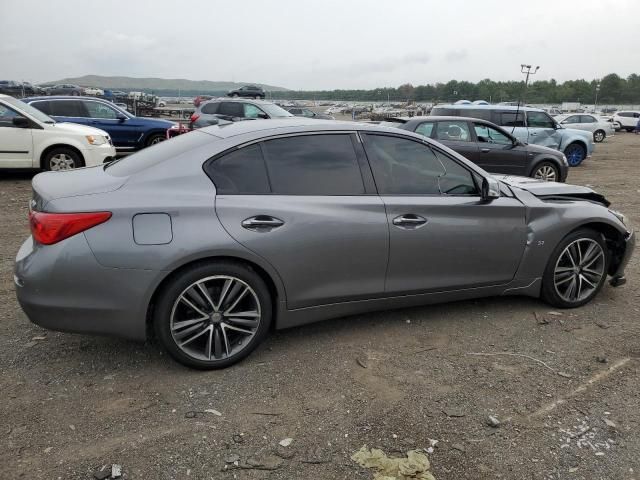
column 211, row 112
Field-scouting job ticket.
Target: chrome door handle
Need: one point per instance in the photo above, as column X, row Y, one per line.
column 262, row 222
column 485, row 150
column 409, row 220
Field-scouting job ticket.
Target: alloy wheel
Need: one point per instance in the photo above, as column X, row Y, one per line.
column 575, row 155
column 598, row 136
column 579, row 270
column 215, row 318
column 546, row 173
column 156, row 140
column 62, row 161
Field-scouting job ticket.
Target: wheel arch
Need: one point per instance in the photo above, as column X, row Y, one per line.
column 275, row 292
column 44, row 152
column 544, row 158
column 614, row 238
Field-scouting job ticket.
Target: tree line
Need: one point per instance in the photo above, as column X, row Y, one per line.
column 611, row 89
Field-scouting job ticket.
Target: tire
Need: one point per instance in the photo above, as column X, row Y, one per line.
column 547, row 171
column 575, row 154
column 61, row 158
column 599, row 136
column 629, row 129
column 215, row 341
column 154, row 139
column 75, row 94
column 560, row 273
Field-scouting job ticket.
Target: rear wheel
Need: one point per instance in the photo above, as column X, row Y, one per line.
column 61, row 158
column 576, row 270
column 575, row 154
column 599, row 136
column 546, row 171
column 213, row 314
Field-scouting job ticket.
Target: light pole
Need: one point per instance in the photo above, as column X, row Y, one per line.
column 527, row 69
column 595, row 106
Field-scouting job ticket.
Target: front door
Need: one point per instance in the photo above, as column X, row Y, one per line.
column 497, row 152
column 442, row 235
column 301, row 204
column 542, row 130
column 125, row 133
column 16, row 143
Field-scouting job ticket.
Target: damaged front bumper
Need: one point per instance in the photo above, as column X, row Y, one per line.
column 617, row 277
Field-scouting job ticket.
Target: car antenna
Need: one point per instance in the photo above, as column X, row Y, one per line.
column 523, row 69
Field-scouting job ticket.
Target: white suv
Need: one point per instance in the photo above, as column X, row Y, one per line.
column 627, row 120
column 31, row 139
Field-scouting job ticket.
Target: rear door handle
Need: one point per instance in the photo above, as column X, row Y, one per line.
column 485, row 150
column 263, row 223
column 409, row 220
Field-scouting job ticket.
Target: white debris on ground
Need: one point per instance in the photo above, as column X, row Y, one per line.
column 585, row 435
column 414, row 466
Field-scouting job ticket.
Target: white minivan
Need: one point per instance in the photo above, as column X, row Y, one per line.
column 31, row 139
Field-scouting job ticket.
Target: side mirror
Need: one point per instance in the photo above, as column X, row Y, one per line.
column 263, row 116
column 490, row 189
column 20, row 122
column 121, row 117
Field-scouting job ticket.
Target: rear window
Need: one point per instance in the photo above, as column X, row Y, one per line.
column 158, row 153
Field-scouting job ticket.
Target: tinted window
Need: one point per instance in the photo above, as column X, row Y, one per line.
column 240, row 172
column 231, row 109
column 482, row 114
column 313, row 165
column 403, row 167
column 539, row 120
column 487, row 134
column 100, row 110
column 457, row 131
column 210, row 108
column 587, row 119
column 67, row 108
column 510, row 119
column 7, row 115
column 425, row 129
column 44, row 107
column 445, row 112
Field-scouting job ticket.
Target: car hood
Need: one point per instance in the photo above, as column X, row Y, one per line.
column 154, row 122
column 582, row 133
column 536, row 149
column 553, row 190
column 78, row 129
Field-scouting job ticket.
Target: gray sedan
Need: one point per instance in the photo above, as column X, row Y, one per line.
column 214, row 237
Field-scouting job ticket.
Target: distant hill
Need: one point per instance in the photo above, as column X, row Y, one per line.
column 162, row 86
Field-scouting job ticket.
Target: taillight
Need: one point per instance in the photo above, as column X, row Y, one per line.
column 50, row 228
column 194, row 117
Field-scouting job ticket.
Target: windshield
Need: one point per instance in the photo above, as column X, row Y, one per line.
column 29, row 110
column 275, row 111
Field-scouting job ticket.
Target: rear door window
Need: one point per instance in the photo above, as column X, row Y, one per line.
column 313, row 165
column 210, row 108
column 231, row 109
column 68, row 108
column 587, row 119
column 511, row 119
column 454, row 131
column 44, row 107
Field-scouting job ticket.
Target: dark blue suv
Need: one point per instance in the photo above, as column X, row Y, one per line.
column 128, row 133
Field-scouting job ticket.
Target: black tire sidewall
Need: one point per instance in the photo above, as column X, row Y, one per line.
column 169, row 293
column 549, row 293
column 46, row 161
column 595, row 134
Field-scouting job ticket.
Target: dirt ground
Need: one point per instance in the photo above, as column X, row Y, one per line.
column 564, row 385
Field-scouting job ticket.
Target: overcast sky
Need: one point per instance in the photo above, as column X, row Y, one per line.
column 319, row 44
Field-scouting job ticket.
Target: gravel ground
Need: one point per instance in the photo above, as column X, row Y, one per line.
column 563, row 385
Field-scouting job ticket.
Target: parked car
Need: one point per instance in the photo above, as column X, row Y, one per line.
column 65, row 89
column 31, row 139
column 489, row 146
column 211, row 112
column 214, row 237
column 529, row 125
column 248, row 91
column 129, row 133
column 599, row 127
column 10, row 87
column 626, row 120
column 93, row 91
column 306, row 112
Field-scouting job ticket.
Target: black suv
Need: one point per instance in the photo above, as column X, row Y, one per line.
column 488, row 146
column 248, row 91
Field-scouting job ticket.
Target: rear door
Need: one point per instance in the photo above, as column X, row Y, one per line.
column 542, row 130
column 442, row 235
column 497, row 151
column 302, row 203
column 16, row 144
column 456, row 134
column 68, row 110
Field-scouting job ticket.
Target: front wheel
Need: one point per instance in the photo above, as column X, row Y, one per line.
column 62, row 158
column 575, row 154
column 155, row 138
column 576, row 270
column 213, row 315
column 546, row 171
column 599, row 136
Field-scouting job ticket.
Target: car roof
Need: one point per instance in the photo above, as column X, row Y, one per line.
column 491, row 107
column 439, row 118
column 282, row 126
column 239, row 100
column 64, row 97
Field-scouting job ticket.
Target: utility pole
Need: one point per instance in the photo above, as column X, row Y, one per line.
column 595, row 105
column 527, row 69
